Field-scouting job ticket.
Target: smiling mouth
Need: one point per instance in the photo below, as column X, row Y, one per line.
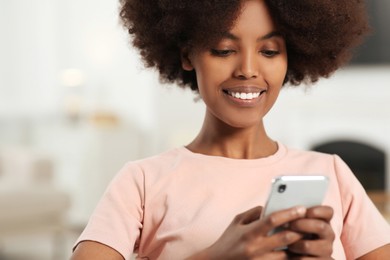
column 244, row 95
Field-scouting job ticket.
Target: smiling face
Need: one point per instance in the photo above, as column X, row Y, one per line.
column 240, row 77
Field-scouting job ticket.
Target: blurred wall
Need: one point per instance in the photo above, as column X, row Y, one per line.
column 375, row 49
column 42, row 39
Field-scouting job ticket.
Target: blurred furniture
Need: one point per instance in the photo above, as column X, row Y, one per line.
column 381, row 200
column 29, row 201
column 31, row 209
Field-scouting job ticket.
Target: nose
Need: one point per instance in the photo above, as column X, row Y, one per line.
column 247, row 66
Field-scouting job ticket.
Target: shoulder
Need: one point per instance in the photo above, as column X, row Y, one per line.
column 311, row 159
column 302, row 154
column 311, row 162
column 163, row 160
column 153, row 165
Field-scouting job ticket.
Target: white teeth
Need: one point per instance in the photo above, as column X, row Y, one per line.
column 244, row 96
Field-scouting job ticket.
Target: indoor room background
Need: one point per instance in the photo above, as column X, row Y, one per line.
column 76, row 104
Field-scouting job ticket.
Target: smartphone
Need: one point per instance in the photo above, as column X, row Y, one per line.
column 289, row 191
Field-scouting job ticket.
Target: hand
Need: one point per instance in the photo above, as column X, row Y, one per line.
column 316, row 224
column 247, row 236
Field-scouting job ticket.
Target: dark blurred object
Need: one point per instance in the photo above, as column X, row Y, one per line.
column 366, row 162
column 381, row 200
column 375, row 50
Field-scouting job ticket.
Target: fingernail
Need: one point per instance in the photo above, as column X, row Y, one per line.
column 300, row 210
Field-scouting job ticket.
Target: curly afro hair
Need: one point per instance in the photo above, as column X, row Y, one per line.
column 320, row 34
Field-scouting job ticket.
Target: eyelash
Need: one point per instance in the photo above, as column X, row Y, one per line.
column 221, row 53
column 226, row 53
column 270, row 53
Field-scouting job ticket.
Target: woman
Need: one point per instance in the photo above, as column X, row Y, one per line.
column 203, row 201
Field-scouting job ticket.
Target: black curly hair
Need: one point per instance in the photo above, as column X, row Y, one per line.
column 320, row 34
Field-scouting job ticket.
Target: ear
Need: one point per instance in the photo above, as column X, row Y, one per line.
column 185, row 59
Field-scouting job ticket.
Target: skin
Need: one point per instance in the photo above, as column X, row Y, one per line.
column 248, row 59
column 252, row 57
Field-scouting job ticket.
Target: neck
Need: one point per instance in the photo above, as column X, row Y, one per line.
column 219, row 139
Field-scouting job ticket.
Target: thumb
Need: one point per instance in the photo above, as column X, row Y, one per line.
column 249, row 216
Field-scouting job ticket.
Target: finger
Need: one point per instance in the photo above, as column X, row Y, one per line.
column 248, row 216
column 276, row 255
column 320, row 212
column 308, row 258
column 318, row 248
column 320, row 228
column 275, row 242
column 278, row 241
column 277, row 219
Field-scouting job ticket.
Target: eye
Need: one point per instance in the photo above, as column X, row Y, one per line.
column 270, row 53
column 221, row 53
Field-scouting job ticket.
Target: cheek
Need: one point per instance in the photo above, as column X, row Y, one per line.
column 277, row 72
column 210, row 75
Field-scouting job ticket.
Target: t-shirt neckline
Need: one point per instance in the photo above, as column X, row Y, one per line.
column 281, row 151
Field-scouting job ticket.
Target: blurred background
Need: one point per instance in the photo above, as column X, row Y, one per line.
column 76, row 104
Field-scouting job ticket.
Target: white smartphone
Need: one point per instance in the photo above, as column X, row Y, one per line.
column 289, row 191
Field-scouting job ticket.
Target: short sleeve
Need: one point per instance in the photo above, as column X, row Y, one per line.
column 117, row 219
column 364, row 227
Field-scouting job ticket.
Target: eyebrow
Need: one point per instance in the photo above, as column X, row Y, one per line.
column 269, row 35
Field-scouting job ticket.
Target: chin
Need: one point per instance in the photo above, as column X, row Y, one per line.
column 244, row 124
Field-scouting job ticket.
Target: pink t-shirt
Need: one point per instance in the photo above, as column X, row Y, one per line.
column 175, row 204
